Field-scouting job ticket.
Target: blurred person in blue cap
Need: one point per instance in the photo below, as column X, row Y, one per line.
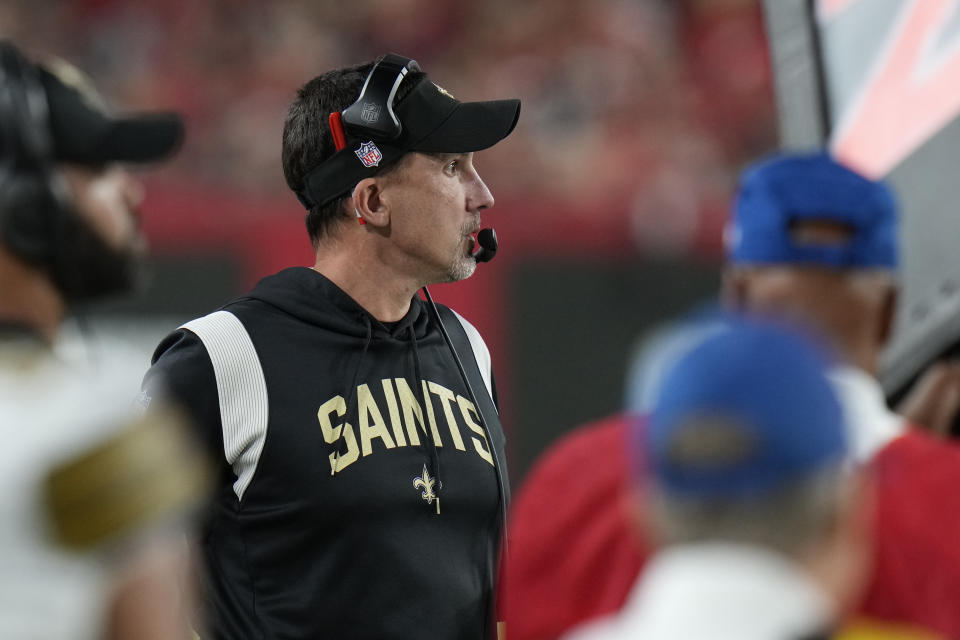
column 812, row 242
column 763, row 528
column 96, row 497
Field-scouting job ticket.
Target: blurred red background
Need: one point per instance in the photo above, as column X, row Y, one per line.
column 636, row 117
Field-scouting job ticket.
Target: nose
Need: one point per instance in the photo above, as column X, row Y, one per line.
column 133, row 191
column 479, row 196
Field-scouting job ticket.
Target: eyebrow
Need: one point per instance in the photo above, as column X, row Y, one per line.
column 444, row 156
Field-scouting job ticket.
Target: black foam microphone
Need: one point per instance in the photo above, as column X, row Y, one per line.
column 487, row 239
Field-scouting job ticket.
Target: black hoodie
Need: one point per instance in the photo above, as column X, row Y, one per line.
column 339, row 514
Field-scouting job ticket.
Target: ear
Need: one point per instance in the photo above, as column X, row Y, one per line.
column 734, row 284
column 888, row 312
column 368, row 204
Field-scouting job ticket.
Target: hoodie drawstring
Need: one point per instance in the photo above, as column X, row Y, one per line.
column 435, row 452
column 419, row 381
column 352, row 392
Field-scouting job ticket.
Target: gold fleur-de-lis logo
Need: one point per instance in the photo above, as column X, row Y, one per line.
column 426, row 482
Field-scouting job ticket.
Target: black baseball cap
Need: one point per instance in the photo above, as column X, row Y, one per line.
column 431, row 120
column 83, row 131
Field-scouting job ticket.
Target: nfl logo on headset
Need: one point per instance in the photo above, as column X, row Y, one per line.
column 369, row 155
column 370, row 112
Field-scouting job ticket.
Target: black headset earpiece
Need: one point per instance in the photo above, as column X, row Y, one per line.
column 31, row 203
column 372, row 114
column 29, row 216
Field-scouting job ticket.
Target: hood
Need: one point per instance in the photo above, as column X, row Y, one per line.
column 313, row 298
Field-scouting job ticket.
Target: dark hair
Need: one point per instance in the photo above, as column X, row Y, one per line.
column 306, row 133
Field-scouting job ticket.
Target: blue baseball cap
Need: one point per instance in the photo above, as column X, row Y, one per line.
column 745, row 411
column 787, row 188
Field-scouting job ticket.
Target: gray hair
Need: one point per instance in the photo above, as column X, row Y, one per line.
column 790, row 519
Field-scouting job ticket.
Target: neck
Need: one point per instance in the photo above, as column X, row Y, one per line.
column 374, row 285
column 852, row 349
column 864, row 356
column 29, row 297
column 839, row 570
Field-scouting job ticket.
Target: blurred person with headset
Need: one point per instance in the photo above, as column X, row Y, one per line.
column 814, row 242
column 362, row 482
column 763, row 529
column 95, row 496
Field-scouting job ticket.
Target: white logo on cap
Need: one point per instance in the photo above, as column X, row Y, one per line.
column 369, row 154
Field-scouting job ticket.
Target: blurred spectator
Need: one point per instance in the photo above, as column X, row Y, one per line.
column 813, row 243
column 765, row 531
column 95, row 496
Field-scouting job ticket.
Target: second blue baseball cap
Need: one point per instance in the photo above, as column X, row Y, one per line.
column 787, row 188
column 745, row 411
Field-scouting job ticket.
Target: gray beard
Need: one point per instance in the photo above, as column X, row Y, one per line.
column 461, row 269
column 463, row 265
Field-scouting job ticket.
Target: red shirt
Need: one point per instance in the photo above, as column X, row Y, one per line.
column 575, row 554
column 916, row 574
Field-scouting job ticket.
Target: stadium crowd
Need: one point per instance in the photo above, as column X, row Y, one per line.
column 642, row 89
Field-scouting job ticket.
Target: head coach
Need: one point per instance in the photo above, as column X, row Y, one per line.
column 362, row 479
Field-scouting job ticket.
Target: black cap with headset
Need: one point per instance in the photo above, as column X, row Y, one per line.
column 51, row 115
column 53, row 112
column 373, row 132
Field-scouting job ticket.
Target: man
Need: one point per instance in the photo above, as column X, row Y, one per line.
column 813, row 242
column 764, row 531
column 361, row 469
column 93, row 494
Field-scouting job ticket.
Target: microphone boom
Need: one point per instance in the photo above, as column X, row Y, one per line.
column 487, row 239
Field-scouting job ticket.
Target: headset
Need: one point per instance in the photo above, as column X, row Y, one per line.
column 372, row 115
column 39, row 222
column 34, row 201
